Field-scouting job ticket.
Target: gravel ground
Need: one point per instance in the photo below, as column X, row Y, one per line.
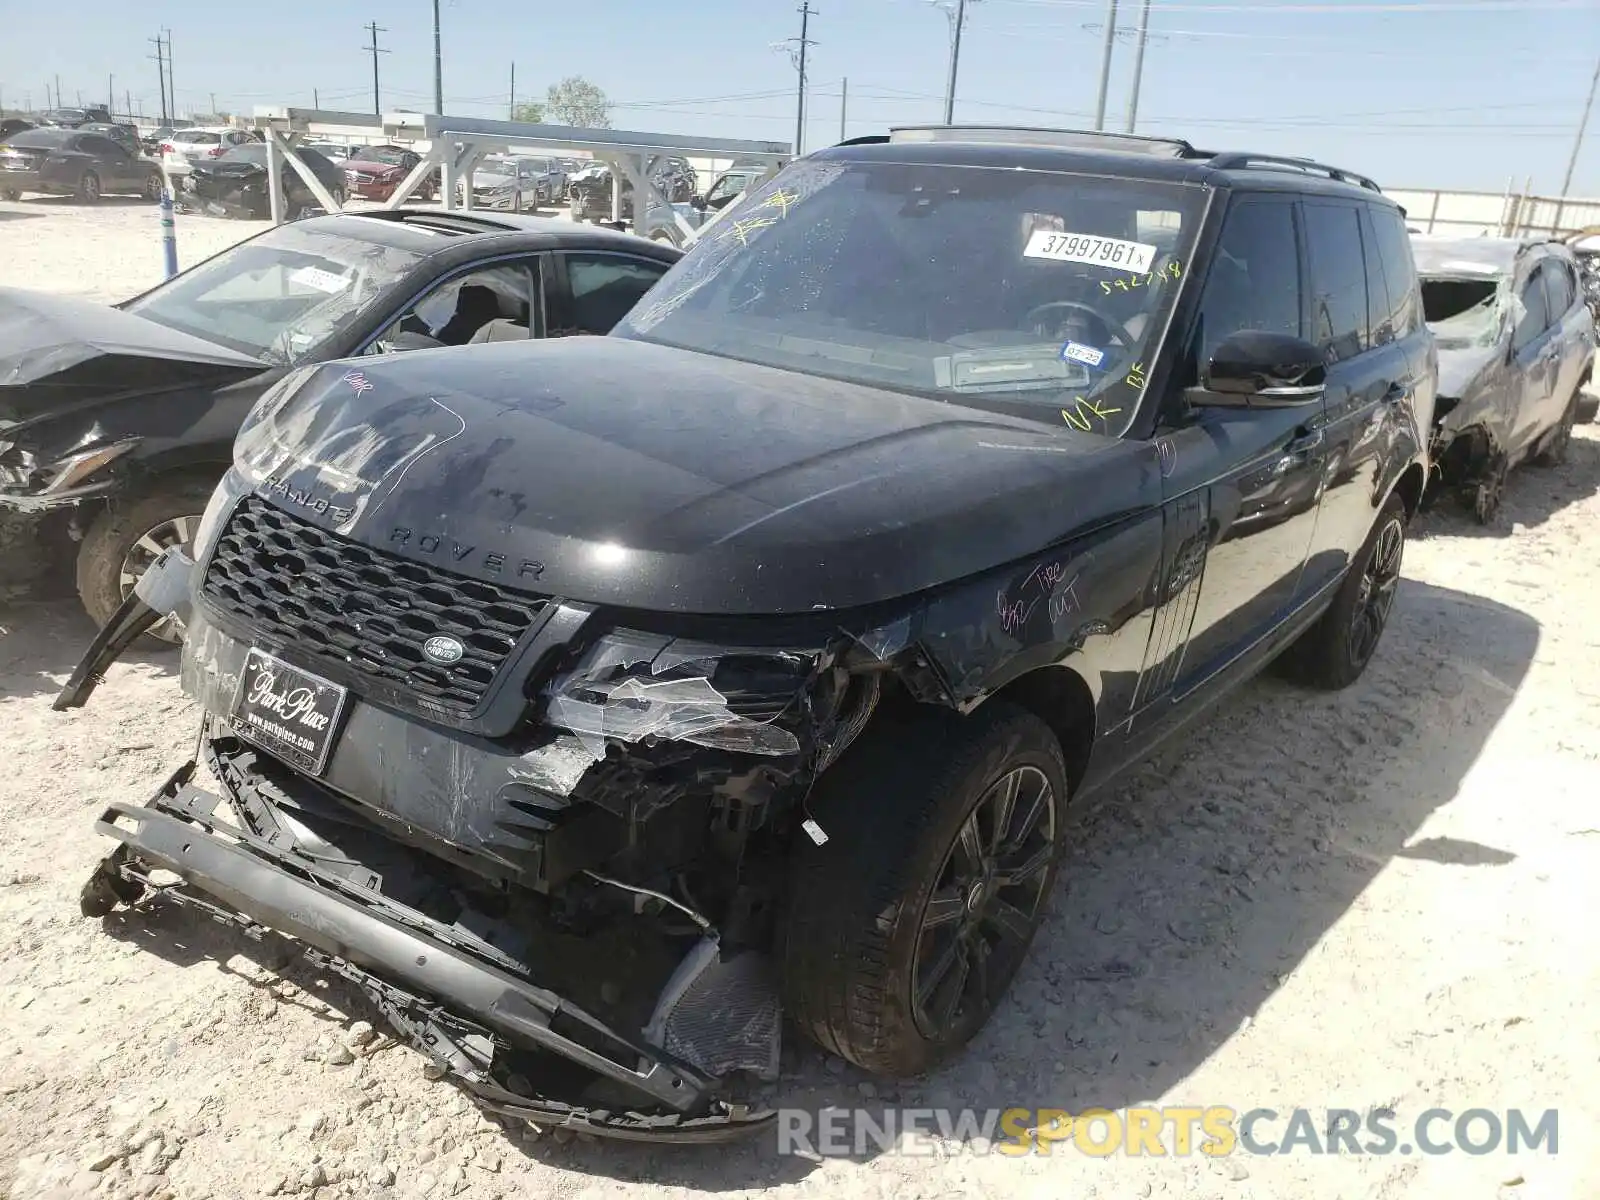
column 1380, row 898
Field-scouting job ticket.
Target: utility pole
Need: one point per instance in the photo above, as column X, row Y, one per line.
column 161, row 73
column 316, row 99
column 1138, row 65
column 127, row 99
column 58, row 91
column 375, row 29
column 111, row 93
column 1105, row 64
column 438, row 65
column 800, row 106
column 511, row 107
column 172, row 88
column 844, row 104
column 214, row 104
column 958, row 21
column 1583, row 124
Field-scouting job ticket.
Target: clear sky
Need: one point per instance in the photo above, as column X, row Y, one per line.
column 1416, row 93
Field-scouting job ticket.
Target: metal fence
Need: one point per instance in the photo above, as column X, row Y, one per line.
column 1489, row 214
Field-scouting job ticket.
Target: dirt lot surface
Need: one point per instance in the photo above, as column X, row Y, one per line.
column 1386, row 897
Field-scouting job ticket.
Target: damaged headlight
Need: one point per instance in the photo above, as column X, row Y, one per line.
column 639, row 687
column 20, row 471
column 256, row 448
column 16, row 468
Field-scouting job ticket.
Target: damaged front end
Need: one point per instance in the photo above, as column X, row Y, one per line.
column 566, row 902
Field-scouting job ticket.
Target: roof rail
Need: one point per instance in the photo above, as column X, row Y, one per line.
column 869, row 139
column 1235, row 159
column 1065, row 139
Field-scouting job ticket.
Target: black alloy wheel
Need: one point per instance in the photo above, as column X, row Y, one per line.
column 1380, row 579
column 979, row 921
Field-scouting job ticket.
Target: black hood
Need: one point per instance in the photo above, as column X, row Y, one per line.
column 57, row 352
column 620, row 472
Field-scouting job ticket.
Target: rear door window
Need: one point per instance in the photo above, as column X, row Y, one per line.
column 1559, row 291
column 601, row 290
column 1380, row 304
column 1399, row 269
column 1535, row 316
column 1339, row 322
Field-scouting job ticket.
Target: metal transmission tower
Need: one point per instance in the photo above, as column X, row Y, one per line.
column 796, row 49
column 374, row 49
column 956, row 10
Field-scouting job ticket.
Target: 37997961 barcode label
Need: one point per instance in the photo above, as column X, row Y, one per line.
column 1111, row 253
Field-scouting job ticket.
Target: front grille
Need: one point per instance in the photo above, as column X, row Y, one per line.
column 343, row 603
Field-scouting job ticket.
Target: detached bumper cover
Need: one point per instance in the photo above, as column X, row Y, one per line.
column 447, row 996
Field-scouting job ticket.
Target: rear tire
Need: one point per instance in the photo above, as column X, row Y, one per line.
column 118, row 545
column 10, row 194
column 153, row 186
column 893, row 958
column 1334, row 652
column 89, row 188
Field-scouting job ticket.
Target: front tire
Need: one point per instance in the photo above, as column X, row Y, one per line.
column 89, row 188
column 128, row 536
column 152, row 187
column 11, row 194
column 1334, row 652
column 907, row 925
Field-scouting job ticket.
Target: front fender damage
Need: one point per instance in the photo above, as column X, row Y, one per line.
column 661, row 782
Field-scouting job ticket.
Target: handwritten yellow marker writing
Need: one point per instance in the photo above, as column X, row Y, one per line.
column 780, row 199
column 743, row 229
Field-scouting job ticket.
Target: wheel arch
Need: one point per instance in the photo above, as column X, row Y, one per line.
column 1063, row 700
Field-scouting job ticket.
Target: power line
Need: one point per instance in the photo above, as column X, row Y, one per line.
column 375, row 29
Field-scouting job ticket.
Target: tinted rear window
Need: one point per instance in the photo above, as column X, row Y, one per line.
column 43, row 139
column 194, row 137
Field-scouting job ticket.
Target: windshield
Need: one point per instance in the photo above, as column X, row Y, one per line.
column 1038, row 293
column 394, row 158
column 1464, row 312
column 281, row 294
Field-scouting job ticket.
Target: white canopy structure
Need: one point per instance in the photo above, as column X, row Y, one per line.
column 456, row 145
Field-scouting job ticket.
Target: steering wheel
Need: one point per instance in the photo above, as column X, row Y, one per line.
column 1114, row 333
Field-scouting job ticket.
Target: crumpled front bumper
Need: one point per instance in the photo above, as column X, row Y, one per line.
column 452, row 998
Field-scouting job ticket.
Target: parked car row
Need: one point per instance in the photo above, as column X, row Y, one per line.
column 604, row 706
column 78, row 162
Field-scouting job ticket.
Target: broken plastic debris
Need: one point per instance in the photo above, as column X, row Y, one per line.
column 683, row 710
column 814, row 831
column 886, row 641
column 558, row 767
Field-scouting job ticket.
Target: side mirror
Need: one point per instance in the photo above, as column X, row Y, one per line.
column 1256, row 369
column 698, row 203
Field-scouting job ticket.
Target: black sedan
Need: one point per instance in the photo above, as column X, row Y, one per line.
column 235, row 184
column 71, row 162
column 116, row 423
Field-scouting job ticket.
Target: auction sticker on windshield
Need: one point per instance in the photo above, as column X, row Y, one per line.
column 1111, row 253
column 323, row 281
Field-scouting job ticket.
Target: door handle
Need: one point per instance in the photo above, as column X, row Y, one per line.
column 1399, row 393
column 1305, row 443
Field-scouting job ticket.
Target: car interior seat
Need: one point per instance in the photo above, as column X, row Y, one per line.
column 476, row 305
column 501, row 329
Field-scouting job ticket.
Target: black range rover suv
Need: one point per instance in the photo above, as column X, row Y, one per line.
column 596, row 703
